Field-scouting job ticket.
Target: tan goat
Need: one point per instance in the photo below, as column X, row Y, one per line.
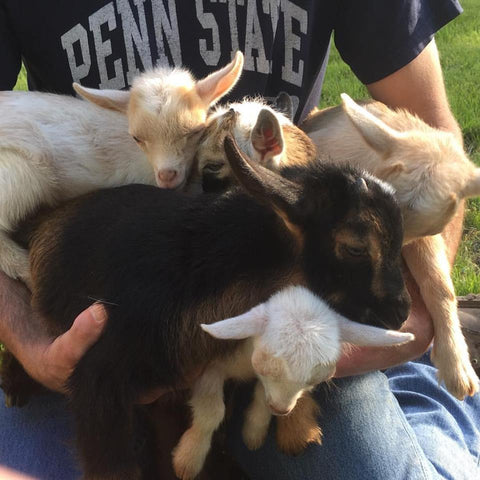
column 431, row 175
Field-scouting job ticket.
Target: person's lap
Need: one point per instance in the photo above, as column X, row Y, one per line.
column 418, row 431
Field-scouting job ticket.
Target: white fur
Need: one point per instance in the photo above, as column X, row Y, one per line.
column 167, row 110
column 54, row 147
column 292, row 342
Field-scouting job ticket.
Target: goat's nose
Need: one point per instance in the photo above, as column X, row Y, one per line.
column 167, row 178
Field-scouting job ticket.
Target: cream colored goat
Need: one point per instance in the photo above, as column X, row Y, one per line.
column 431, row 175
column 54, row 147
column 166, row 110
column 292, row 343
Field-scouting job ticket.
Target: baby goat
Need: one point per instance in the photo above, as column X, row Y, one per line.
column 293, row 343
column 165, row 262
column 55, row 147
column 431, row 175
column 262, row 132
column 166, row 110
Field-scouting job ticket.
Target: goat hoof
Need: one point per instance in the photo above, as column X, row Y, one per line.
column 459, row 376
column 189, row 456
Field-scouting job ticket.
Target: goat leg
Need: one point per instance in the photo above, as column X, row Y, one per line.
column 257, row 419
column 427, row 260
column 208, row 410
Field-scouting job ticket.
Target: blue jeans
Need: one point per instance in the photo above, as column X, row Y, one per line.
column 394, row 425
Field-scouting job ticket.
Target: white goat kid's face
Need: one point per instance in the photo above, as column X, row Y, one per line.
column 284, row 388
column 167, row 110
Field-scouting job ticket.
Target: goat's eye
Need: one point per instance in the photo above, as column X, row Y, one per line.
column 356, row 251
column 136, row 139
column 213, row 167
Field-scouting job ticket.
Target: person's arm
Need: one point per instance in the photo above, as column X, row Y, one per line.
column 418, row 87
column 49, row 361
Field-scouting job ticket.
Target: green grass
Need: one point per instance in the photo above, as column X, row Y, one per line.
column 459, row 46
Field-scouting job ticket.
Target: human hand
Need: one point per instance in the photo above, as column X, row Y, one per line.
column 52, row 362
column 364, row 359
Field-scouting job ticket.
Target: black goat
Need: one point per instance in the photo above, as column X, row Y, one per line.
column 164, row 262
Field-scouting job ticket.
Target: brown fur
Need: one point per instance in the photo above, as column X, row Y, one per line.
column 296, row 430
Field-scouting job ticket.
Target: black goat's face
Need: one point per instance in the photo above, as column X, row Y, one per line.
column 352, row 247
column 349, row 232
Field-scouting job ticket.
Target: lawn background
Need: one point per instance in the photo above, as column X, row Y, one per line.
column 459, row 46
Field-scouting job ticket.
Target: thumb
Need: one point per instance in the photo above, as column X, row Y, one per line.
column 84, row 332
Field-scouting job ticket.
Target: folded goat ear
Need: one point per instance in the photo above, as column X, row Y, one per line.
column 368, row 336
column 248, row 324
column 376, row 133
column 110, row 99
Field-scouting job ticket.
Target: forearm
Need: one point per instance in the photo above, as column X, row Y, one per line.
column 419, row 88
column 18, row 326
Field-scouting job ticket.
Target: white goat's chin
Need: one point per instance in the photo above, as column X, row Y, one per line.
column 279, row 412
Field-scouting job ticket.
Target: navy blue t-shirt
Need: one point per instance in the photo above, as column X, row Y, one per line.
column 104, row 44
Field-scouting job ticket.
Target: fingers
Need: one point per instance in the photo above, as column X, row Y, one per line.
column 84, row 332
column 53, row 364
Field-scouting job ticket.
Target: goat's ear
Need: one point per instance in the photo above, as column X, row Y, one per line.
column 366, row 335
column 283, row 103
column 266, row 186
column 267, row 136
column 210, row 89
column 472, row 188
column 376, row 133
column 248, row 324
column 111, row 99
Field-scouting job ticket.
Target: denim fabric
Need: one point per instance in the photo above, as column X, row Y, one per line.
column 394, row 425
column 38, row 439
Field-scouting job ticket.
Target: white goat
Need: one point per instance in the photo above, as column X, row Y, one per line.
column 431, row 175
column 262, row 132
column 293, row 342
column 166, row 110
column 54, row 147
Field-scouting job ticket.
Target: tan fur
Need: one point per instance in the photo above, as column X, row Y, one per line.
column 296, row 430
column 415, row 158
column 167, row 110
column 297, row 147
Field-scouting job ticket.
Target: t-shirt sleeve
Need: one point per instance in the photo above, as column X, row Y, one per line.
column 378, row 37
column 10, row 56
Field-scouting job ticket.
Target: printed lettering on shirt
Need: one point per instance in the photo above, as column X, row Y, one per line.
column 290, row 72
column 135, row 36
column 151, row 34
column 166, row 27
column 103, row 47
column 74, row 38
column 209, row 24
column 254, row 41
